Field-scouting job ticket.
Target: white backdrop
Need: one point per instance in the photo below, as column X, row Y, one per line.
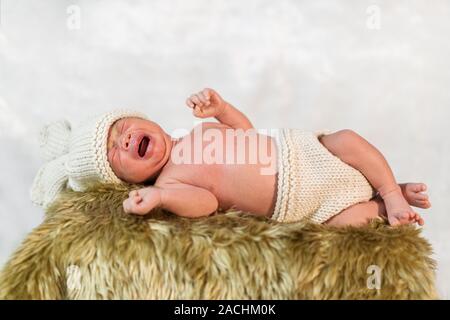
column 378, row 67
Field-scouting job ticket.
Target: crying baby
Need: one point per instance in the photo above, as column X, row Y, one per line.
column 336, row 178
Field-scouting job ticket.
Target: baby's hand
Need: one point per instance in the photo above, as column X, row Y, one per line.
column 142, row 201
column 207, row 103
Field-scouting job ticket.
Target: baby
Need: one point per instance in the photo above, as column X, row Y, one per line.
column 333, row 178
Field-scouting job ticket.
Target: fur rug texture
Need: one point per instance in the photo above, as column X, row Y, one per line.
column 88, row 248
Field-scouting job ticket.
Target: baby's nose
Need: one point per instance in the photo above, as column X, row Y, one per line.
column 125, row 141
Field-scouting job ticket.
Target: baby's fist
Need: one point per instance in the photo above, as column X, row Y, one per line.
column 206, row 103
column 142, row 201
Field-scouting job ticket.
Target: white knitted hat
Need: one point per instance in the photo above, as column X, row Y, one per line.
column 75, row 157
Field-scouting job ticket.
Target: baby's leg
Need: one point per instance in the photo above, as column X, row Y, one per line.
column 361, row 155
column 359, row 214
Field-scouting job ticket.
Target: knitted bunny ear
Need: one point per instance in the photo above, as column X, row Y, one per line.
column 54, row 139
column 50, row 180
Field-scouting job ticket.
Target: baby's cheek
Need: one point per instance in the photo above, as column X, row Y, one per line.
column 115, row 168
column 129, row 167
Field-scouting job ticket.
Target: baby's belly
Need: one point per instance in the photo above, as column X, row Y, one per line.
column 247, row 180
column 245, row 188
column 240, row 172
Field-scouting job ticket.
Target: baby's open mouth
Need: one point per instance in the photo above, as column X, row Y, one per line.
column 143, row 146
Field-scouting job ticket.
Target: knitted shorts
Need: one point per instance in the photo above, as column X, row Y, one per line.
column 312, row 183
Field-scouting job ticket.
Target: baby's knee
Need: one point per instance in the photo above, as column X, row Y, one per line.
column 341, row 141
column 347, row 136
column 349, row 140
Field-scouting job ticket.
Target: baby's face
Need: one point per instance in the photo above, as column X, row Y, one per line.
column 137, row 149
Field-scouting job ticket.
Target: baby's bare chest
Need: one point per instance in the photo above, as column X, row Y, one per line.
column 230, row 163
column 223, row 146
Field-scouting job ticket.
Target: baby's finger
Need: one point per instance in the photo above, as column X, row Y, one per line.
column 137, row 199
column 195, row 111
column 133, row 193
column 196, row 100
column 189, row 103
column 207, row 93
column 140, row 210
column 198, row 112
column 126, row 206
column 203, row 98
column 145, row 206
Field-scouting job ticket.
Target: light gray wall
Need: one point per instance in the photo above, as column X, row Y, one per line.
column 378, row 67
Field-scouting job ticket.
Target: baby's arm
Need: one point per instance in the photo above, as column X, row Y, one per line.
column 208, row 103
column 182, row 199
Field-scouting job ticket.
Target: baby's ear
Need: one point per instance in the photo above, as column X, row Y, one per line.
column 54, row 139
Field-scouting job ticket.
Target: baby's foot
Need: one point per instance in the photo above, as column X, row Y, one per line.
column 414, row 194
column 398, row 210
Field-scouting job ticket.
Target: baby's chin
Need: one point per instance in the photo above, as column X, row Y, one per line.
column 139, row 176
column 152, row 166
column 156, row 162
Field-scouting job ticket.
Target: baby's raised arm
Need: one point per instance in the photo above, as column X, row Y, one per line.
column 208, row 103
column 180, row 198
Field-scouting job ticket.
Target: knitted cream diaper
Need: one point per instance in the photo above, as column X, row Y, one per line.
column 312, row 183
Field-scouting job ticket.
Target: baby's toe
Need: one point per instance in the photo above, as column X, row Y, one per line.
column 413, row 188
column 410, row 216
column 419, row 187
column 405, row 217
column 418, row 219
column 421, row 221
column 421, row 196
column 424, row 204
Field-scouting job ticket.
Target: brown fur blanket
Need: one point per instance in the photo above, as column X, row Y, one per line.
column 88, row 248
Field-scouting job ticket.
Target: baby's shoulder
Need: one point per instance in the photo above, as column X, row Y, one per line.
column 168, row 174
